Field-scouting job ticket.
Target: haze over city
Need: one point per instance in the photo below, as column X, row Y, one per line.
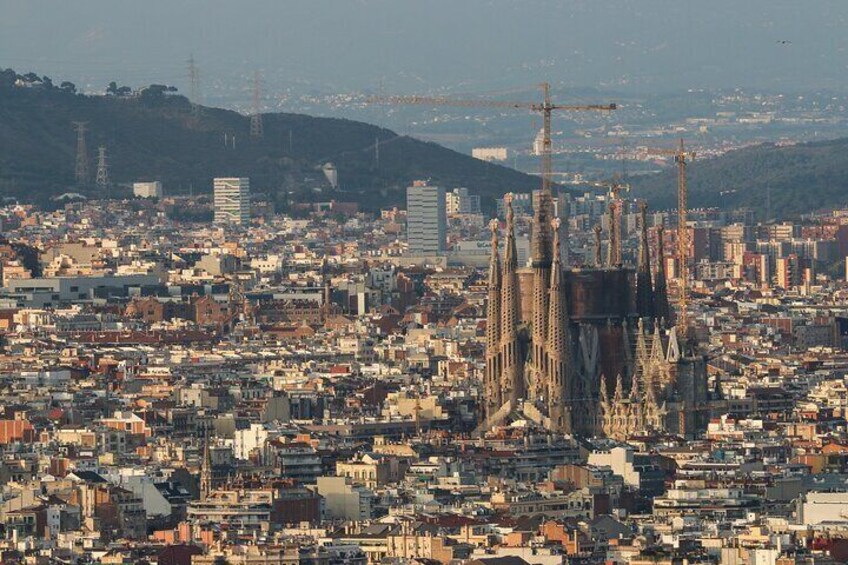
column 470, row 46
column 371, row 282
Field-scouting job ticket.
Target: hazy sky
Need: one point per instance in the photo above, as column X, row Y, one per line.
column 422, row 45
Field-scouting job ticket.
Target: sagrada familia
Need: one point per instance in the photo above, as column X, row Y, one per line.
column 586, row 351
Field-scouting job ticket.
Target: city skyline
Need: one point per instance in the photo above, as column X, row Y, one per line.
column 646, row 46
column 493, row 282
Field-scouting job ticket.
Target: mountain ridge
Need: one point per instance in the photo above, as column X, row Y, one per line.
column 786, row 180
column 156, row 134
column 159, row 135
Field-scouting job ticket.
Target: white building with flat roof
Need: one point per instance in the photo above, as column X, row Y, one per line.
column 232, row 200
column 820, row 507
column 489, row 153
column 151, row 189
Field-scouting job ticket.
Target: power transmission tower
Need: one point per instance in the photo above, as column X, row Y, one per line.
column 256, row 117
column 194, row 86
column 82, row 155
column 102, row 179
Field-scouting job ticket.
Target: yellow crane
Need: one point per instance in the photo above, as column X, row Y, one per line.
column 546, row 108
column 682, row 158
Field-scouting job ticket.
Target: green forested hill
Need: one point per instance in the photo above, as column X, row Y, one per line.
column 157, row 136
column 799, row 178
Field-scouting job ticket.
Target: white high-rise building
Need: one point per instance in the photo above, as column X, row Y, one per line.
column 539, row 143
column 426, row 219
column 232, row 200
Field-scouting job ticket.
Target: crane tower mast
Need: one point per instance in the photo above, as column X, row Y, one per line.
column 682, row 158
column 682, row 233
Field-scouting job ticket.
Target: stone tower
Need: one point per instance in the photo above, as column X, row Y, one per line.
column 206, row 470
column 512, row 355
column 662, row 310
column 556, row 381
column 494, row 397
column 644, row 286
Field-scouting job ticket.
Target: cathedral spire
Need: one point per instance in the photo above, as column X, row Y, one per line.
column 541, row 263
column 605, row 411
column 206, row 469
column 636, row 422
column 661, row 307
column 644, row 251
column 494, row 316
column 618, row 395
column 512, row 384
column 604, row 394
column 509, row 314
column 598, row 262
column 541, row 234
column 653, row 417
column 616, row 423
column 614, row 249
column 641, row 345
column 558, row 315
column 644, row 290
column 634, row 389
column 556, row 346
column 494, row 399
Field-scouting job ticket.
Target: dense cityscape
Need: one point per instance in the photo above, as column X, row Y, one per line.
column 336, row 386
column 429, row 298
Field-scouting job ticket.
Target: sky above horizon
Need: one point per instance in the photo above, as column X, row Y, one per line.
column 468, row 46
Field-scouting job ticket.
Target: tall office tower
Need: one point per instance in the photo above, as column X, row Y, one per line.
column 426, row 219
column 232, row 200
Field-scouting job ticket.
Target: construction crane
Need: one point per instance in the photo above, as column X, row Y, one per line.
column 682, row 158
column 546, row 108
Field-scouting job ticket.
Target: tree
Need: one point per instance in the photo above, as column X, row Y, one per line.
column 69, row 87
column 155, row 94
column 8, row 78
column 114, row 90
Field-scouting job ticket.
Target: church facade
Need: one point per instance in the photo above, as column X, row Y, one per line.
column 591, row 354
